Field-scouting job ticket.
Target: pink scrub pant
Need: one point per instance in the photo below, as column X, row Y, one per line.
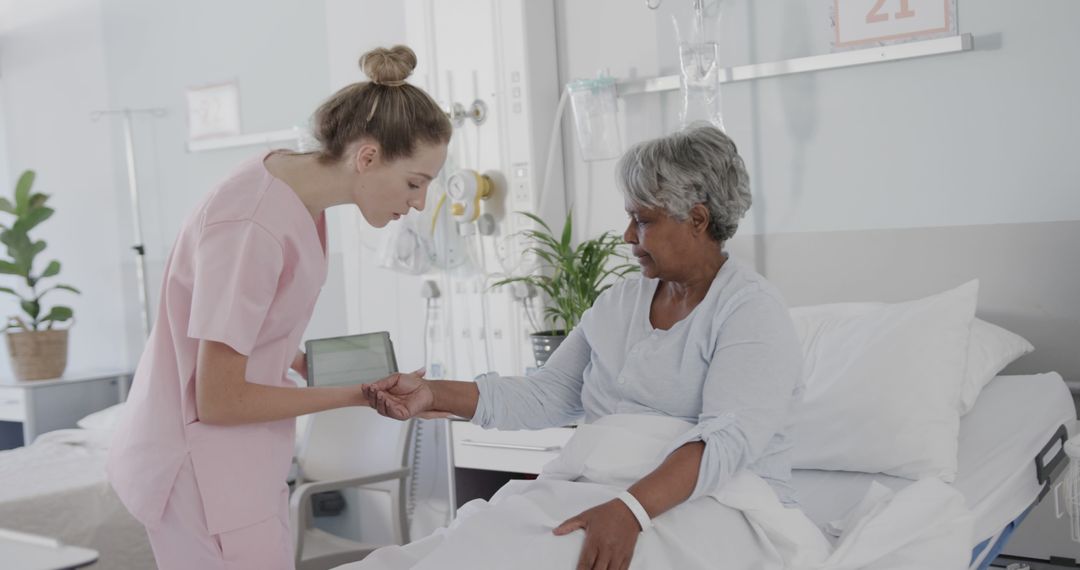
column 181, row 542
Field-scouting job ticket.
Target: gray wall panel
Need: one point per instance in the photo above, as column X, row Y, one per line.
column 1029, row 276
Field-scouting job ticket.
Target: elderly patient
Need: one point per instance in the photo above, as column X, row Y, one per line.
column 699, row 337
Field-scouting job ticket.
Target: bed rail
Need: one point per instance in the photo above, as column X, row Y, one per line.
column 1047, row 471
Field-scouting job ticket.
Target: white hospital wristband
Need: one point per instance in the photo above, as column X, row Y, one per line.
column 635, row 507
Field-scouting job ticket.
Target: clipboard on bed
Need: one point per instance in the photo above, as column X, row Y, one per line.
column 350, row 360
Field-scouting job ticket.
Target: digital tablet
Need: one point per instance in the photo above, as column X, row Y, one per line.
column 350, row 360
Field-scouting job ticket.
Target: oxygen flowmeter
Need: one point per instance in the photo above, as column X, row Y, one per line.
column 465, row 188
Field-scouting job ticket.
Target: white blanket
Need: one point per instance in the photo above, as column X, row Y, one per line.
column 57, row 487
column 741, row 526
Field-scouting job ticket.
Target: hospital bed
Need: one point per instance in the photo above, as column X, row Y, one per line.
column 1010, row 457
column 56, row 487
column 1010, row 453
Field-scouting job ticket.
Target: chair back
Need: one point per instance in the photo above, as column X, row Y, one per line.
column 353, row 442
column 356, row 441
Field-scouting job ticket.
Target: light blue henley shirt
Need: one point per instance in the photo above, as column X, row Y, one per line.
column 733, row 367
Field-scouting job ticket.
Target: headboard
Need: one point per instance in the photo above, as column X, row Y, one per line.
column 1029, row 276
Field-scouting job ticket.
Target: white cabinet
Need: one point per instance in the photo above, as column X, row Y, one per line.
column 12, row 405
column 483, row 460
column 510, row 451
column 31, row 408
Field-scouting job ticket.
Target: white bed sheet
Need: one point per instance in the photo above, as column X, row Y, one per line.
column 1012, row 420
column 57, row 487
column 925, row 525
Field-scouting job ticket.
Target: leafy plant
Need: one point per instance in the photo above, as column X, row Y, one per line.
column 572, row 277
column 29, row 210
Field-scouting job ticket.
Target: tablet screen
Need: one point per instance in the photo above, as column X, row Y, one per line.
column 349, row 360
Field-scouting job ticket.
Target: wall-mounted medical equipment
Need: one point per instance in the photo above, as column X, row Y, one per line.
column 879, row 54
column 477, row 111
column 698, row 63
column 595, row 108
column 405, row 248
column 465, row 189
column 912, row 50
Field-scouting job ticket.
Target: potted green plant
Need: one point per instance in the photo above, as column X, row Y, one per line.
column 37, row 349
column 571, row 277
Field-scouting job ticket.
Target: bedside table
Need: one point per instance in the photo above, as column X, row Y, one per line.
column 482, row 460
column 31, row 408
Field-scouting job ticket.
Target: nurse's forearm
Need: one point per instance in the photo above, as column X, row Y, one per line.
column 253, row 403
column 223, row 396
column 458, row 398
column 672, row 482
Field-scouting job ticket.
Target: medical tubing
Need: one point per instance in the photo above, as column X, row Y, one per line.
column 485, row 310
column 414, row 484
column 550, row 162
column 435, row 213
column 414, row 476
column 478, row 146
column 448, row 312
column 1072, row 487
column 427, row 331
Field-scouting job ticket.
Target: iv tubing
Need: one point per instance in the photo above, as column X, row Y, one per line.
column 550, row 163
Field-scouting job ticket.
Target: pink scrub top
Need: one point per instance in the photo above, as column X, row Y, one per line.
column 245, row 270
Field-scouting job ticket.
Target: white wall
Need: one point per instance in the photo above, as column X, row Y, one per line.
column 6, row 180
column 981, row 137
column 276, row 54
column 52, row 73
column 62, row 59
column 353, row 28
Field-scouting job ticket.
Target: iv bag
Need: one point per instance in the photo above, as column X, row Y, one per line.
column 595, row 117
column 698, row 63
column 404, row 248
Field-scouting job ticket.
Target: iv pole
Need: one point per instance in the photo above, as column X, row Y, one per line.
column 133, row 190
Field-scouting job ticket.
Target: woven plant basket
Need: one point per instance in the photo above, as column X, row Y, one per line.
column 38, row 355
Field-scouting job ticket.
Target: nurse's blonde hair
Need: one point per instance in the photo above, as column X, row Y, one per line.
column 389, row 110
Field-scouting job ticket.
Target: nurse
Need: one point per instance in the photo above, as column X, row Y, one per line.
column 204, row 449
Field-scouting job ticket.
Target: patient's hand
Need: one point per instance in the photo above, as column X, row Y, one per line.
column 611, row 532
column 401, row 396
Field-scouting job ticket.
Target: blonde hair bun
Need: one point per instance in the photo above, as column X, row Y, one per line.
column 388, row 66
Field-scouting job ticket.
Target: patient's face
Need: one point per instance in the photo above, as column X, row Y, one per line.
column 658, row 241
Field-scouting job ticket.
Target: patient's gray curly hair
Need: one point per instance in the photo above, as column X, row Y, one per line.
column 698, row 165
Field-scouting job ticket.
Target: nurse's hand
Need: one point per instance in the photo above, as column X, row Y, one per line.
column 299, row 364
column 611, row 532
column 401, row 396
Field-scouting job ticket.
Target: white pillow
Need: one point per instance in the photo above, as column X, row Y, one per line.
column 883, row 385
column 104, row 420
column 990, row 350
column 617, row 449
column 990, row 347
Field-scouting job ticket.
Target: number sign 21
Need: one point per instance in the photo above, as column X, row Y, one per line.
column 860, row 23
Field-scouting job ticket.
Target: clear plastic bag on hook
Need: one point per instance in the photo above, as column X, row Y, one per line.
column 405, row 248
column 596, row 122
column 699, row 63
